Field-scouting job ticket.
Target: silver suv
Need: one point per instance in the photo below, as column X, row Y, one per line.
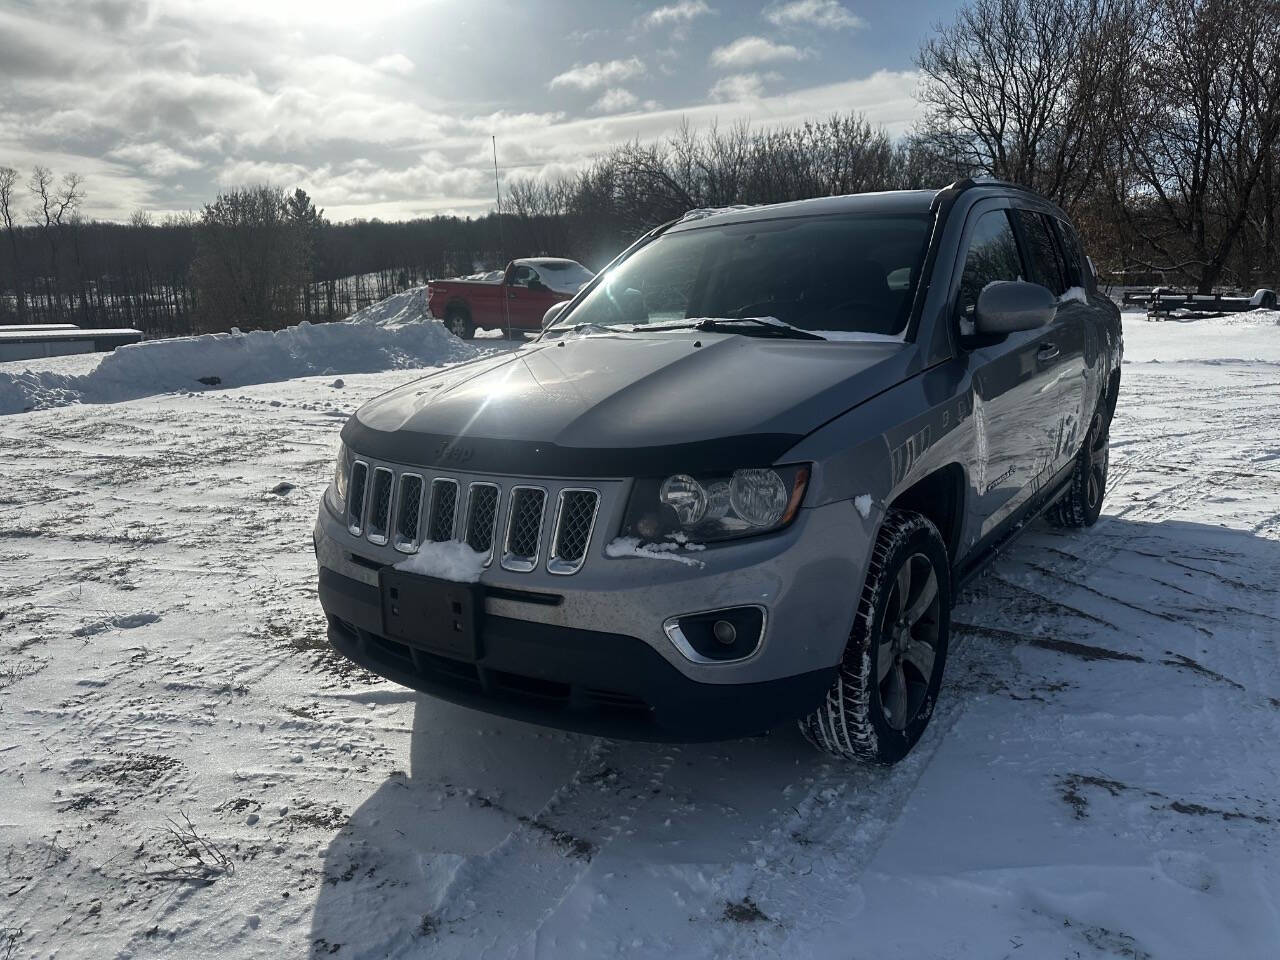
column 739, row 478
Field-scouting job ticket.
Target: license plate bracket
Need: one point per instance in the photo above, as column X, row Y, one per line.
column 436, row 615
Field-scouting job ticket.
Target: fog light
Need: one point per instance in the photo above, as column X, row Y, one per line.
column 718, row 636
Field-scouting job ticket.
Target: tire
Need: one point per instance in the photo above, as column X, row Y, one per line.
column 887, row 684
column 458, row 323
column 1081, row 505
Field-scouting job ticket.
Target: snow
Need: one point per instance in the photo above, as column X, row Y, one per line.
column 862, row 504
column 857, row 336
column 701, row 213
column 1074, row 294
column 1098, row 779
column 371, row 342
column 633, row 547
column 405, row 307
column 447, row 561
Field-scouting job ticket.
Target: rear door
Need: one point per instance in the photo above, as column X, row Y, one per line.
column 1015, row 403
column 1047, row 263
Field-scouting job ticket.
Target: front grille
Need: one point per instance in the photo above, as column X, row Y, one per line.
column 575, row 517
column 519, row 523
column 524, row 528
column 444, row 504
column 482, row 517
column 408, row 512
column 355, row 497
column 380, row 505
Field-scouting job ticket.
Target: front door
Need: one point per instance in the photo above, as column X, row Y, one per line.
column 1015, row 390
column 528, row 298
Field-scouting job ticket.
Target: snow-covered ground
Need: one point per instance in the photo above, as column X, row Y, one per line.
column 186, row 770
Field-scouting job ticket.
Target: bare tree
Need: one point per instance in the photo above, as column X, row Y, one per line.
column 56, row 204
column 1206, row 128
column 8, row 181
column 1030, row 90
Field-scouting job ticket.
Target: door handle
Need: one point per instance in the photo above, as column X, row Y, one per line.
column 511, row 296
column 1047, row 352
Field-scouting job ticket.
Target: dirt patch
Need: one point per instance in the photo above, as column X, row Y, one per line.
column 570, row 843
column 1084, row 651
column 1071, row 790
column 1200, row 810
column 1186, row 663
column 322, row 818
column 744, row 911
column 139, row 770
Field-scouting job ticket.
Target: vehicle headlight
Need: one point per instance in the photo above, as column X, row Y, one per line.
column 711, row 507
column 336, row 495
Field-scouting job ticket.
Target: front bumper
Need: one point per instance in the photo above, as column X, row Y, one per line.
column 589, row 651
column 604, row 684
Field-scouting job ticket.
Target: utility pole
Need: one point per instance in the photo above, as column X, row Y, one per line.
column 502, row 240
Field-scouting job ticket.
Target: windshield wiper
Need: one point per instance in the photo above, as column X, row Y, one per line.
column 755, row 327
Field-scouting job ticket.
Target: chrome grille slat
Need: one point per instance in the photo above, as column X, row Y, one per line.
column 356, row 497
column 379, row 524
column 408, row 512
column 482, row 517
column 443, row 509
column 526, row 526
column 576, row 512
column 525, row 508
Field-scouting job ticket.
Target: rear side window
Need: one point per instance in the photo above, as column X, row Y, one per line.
column 1070, row 244
column 993, row 255
column 1044, row 260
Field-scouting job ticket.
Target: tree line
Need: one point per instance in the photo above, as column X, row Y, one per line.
column 1154, row 123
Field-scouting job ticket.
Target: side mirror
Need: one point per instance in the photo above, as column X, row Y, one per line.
column 553, row 312
column 1006, row 306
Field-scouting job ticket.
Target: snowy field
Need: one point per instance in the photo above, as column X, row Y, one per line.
column 186, row 770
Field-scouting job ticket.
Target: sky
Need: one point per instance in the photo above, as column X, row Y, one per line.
column 385, row 108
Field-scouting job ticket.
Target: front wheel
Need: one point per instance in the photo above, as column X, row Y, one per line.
column 887, row 683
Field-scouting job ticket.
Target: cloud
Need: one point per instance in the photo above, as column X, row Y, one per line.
column 677, row 13
column 740, row 86
column 822, row 14
column 614, row 100
column 591, row 75
column 396, row 63
column 752, row 51
column 157, row 159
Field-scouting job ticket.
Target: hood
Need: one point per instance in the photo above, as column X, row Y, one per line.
column 625, row 405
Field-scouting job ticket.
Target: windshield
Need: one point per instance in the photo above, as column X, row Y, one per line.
column 563, row 276
column 838, row 274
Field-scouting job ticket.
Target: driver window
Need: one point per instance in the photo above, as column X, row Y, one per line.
column 521, row 276
column 993, row 255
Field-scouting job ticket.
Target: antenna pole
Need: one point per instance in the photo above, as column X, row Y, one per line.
column 502, row 240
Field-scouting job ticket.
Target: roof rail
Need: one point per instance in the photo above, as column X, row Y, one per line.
column 961, row 185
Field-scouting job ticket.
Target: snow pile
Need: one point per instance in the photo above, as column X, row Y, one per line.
column 405, row 307
column 237, row 359
column 447, row 560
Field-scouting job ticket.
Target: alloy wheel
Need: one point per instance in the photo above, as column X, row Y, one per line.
column 908, row 641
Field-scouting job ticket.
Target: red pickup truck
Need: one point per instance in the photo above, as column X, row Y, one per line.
column 514, row 302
